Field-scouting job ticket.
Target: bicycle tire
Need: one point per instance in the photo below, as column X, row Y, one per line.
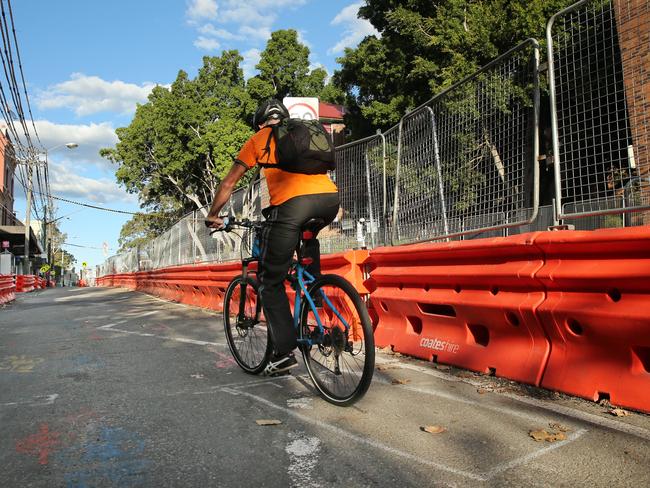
column 328, row 363
column 249, row 340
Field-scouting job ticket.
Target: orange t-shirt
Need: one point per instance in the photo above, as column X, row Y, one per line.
column 283, row 185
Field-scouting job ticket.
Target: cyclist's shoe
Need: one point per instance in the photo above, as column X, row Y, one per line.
column 279, row 365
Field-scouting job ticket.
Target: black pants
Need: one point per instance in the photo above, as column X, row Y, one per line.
column 278, row 243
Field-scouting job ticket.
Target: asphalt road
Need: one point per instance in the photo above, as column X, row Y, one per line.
column 110, row 388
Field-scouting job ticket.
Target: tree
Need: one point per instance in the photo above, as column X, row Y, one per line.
column 427, row 46
column 61, row 257
column 285, row 71
column 183, row 140
column 181, row 143
column 284, row 64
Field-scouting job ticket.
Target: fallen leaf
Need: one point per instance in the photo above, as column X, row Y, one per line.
column 558, row 427
column 619, row 412
column 433, row 429
column 398, row 381
column 268, row 422
column 541, row 435
column 443, row 368
column 384, row 368
column 482, row 391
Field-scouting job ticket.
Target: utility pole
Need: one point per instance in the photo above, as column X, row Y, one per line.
column 28, row 162
column 26, row 263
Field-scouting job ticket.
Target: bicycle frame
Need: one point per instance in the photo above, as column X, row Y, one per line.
column 304, row 279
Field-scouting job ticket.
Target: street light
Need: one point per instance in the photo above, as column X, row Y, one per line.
column 69, row 145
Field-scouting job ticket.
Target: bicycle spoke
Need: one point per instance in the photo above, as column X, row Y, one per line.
column 338, row 361
column 246, row 333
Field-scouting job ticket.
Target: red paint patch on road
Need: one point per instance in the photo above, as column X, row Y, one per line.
column 96, row 337
column 223, row 361
column 40, row 444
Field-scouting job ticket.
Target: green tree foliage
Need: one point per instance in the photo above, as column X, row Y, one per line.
column 284, row 70
column 142, row 228
column 61, row 257
column 181, row 143
column 427, row 46
column 183, row 140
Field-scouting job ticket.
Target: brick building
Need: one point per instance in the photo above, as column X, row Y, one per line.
column 331, row 116
column 7, row 169
column 633, row 26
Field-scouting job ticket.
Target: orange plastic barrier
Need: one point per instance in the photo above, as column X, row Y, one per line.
column 597, row 312
column 467, row 303
column 7, row 289
column 350, row 265
column 205, row 285
column 25, row 283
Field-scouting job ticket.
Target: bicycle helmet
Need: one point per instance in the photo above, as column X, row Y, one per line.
column 269, row 109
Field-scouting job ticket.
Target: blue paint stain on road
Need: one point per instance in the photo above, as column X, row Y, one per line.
column 114, row 455
column 83, row 361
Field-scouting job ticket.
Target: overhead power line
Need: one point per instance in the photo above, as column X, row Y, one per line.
column 96, row 207
column 85, row 247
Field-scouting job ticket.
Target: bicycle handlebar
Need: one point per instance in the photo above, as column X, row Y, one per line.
column 229, row 222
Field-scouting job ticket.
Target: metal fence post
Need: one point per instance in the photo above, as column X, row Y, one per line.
column 436, row 155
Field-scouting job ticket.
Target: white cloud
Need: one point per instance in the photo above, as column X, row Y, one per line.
column 251, row 58
column 91, row 138
column 260, row 33
column 354, row 29
column 66, row 181
column 210, row 30
column 207, row 44
column 303, row 40
column 201, row 9
column 252, row 22
column 247, row 14
column 87, row 95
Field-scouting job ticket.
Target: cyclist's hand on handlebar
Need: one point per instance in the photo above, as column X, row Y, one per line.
column 215, row 223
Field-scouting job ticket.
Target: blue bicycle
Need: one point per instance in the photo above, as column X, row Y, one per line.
column 334, row 329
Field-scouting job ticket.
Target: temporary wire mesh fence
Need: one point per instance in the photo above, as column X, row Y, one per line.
column 599, row 64
column 467, row 160
column 464, row 165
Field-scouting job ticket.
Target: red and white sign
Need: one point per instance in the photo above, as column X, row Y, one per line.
column 305, row 108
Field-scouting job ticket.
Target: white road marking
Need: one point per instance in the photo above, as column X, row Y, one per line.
column 459, row 399
column 341, row 433
column 533, row 455
column 486, row 476
column 110, row 328
column 545, row 405
column 303, row 454
column 37, row 402
column 300, row 403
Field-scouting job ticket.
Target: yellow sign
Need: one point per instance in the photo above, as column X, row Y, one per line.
column 45, row 268
column 84, row 264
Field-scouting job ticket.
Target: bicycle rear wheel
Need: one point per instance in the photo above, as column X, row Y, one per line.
column 341, row 360
column 246, row 330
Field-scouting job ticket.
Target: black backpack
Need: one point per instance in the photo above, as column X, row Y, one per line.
column 302, row 146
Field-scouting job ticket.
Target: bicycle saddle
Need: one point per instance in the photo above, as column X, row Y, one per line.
column 313, row 225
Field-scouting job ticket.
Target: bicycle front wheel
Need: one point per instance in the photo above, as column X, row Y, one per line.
column 246, row 330
column 341, row 357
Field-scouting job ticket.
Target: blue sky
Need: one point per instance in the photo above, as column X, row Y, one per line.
column 88, row 63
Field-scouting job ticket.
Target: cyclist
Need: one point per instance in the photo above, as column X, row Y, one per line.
column 295, row 199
